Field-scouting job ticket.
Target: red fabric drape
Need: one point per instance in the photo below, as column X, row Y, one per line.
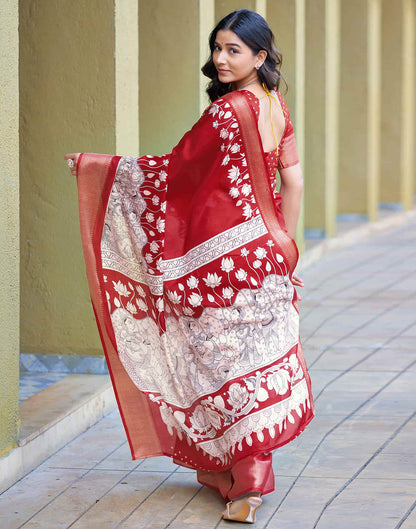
column 189, row 270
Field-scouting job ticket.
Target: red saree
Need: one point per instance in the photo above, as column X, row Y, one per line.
column 189, row 268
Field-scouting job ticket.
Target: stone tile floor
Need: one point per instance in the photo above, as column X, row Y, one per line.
column 353, row 467
column 31, row 383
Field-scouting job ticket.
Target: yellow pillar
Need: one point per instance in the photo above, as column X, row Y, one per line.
column 398, row 104
column 360, row 110
column 322, row 115
column 287, row 21
column 332, row 68
column 391, row 96
column 9, row 225
column 407, row 165
column 169, row 82
column 127, row 76
column 206, row 25
column 67, row 104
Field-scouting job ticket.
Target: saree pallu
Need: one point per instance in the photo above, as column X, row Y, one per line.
column 189, row 267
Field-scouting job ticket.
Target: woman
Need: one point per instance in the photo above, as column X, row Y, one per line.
column 190, row 261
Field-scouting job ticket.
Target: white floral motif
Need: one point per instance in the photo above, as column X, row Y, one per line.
column 140, row 291
column 174, row 297
column 234, row 192
column 213, row 109
column 227, row 293
column 233, row 173
column 244, row 252
column 150, row 217
column 121, row 288
column 149, row 258
column 226, row 159
column 159, row 264
column 192, row 282
column 142, row 305
column 212, row 280
column 257, row 264
column 260, row 253
column 241, row 274
column 279, row 381
column 160, row 225
column 246, row 189
column 238, row 396
column 227, row 264
column 235, row 148
column 199, row 420
column 224, row 134
column 247, row 211
column 154, row 246
column 204, row 418
column 131, row 308
column 214, row 418
column 195, row 299
column 155, row 200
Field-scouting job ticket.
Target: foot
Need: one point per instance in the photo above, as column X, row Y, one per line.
column 243, row 509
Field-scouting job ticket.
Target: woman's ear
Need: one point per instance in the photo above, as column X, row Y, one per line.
column 261, row 56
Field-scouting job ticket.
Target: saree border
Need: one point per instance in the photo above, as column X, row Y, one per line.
column 259, row 179
column 95, row 176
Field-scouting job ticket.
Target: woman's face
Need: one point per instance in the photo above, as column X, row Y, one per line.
column 234, row 60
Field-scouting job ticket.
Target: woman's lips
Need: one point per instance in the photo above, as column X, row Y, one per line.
column 222, row 71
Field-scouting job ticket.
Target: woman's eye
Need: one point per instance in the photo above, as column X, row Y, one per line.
column 233, row 50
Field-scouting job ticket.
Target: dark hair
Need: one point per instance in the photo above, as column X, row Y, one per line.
column 254, row 31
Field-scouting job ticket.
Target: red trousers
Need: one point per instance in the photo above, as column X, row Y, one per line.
column 254, row 473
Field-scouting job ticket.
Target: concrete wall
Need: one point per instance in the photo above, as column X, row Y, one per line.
column 9, row 225
column 168, row 77
column 67, row 104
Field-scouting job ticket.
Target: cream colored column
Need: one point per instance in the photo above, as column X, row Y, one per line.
column 127, row 76
column 9, row 225
column 407, row 188
column 332, row 67
column 67, row 104
column 360, row 108
column 260, row 7
column 398, row 107
column 287, row 21
column 391, row 100
column 206, row 25
column 374, row 107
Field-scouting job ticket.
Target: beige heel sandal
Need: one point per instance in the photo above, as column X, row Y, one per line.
column 247, row 511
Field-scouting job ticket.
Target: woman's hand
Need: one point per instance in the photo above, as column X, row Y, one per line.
column 74, row 157
column 297, row 282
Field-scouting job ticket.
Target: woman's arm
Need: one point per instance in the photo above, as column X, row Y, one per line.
column 291, row 188
column 291, row 192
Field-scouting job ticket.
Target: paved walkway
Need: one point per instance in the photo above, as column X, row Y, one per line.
column 354, row 466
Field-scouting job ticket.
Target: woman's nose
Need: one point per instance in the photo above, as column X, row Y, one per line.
column 221, row 58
